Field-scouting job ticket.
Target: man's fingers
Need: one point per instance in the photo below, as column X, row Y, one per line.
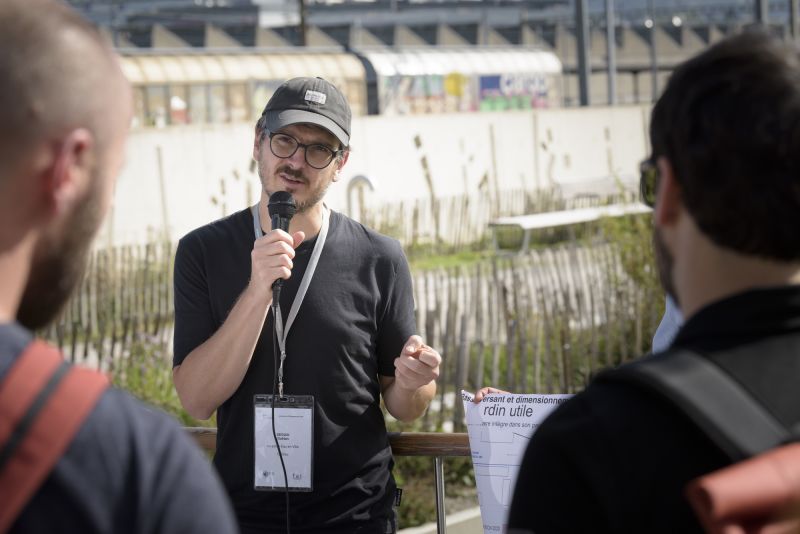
column 272, row 257
column 275, row 236
column 272, row 248
column 410, row 373
column 416, row 367
column 481, row 393
column 413, row 344
column 265, row 260
column 430, row 358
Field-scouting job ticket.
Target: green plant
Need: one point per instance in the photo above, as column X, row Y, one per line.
column 633, row 239
column 429, row 261
column 147, row 374
column 415, row 476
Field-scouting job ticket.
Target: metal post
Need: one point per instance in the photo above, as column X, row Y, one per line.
column 794, row 23
column 483, row 29
column 611, row 53
column 653, row 56
column 762, row 11
column 113, row 9
column 438, row 469
column 302, row 28
column 163, row 193
column 582, row 33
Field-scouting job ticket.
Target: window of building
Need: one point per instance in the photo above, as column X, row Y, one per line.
column 178, row 105
column 237, row 94
column 139, row 108
column 218, row 104
column 156, row 105
column 198, row 104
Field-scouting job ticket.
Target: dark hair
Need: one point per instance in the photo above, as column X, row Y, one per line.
column 729, row 123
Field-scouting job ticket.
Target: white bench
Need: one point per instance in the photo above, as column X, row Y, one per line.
column 553, row 219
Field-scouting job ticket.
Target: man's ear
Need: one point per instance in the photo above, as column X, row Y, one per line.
column 669, row 200
column 340, row 165
column 68, row 177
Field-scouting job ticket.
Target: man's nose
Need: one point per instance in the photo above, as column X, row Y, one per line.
column 298, row 159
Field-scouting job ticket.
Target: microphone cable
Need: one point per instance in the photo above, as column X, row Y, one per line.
column 276, row 309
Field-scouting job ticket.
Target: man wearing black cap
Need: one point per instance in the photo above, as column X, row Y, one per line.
column 344, row 338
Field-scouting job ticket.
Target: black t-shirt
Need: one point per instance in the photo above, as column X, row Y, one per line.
column 356, row 316
column 616, row 458
column 129, row 469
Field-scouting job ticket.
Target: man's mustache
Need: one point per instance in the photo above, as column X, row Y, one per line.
column 294, row 173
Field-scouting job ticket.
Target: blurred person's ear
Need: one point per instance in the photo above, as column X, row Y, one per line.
column 258, row 140
column 669, row 202
column 340, row 164
column 67, row 179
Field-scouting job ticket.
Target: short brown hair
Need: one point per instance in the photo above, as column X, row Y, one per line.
column 52, row 75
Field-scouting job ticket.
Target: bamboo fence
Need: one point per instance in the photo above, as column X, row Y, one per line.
column 541, row 322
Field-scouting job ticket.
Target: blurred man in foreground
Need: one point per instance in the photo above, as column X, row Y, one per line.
column 64, row 113
column 726, row 156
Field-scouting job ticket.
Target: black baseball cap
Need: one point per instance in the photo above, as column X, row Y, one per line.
column 309, row 101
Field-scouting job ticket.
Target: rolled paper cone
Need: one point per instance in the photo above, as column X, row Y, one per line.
column 757, row 490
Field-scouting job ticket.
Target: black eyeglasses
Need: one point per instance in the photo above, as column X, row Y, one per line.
column 316, row 155
column 648, row 181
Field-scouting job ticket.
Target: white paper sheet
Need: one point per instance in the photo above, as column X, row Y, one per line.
column 500, row 428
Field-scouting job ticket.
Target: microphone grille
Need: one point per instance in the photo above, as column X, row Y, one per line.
column 281, row 203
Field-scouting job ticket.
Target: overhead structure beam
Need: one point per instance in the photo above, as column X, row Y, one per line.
column 762, row 11
column 653, row 53
column 582, row 33
column 303, row 27
column 611, row 53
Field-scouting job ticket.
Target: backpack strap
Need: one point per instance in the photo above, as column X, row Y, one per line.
column 43, row 402
column 727, row 413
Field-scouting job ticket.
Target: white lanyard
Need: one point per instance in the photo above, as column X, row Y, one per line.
column 301, row 291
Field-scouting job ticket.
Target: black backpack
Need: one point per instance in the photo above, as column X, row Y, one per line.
column 760, row 492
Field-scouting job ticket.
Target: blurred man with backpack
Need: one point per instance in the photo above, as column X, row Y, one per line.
column 75, row 456
column 725, row 166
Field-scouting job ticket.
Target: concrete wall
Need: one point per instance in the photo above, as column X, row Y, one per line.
column 179, row 178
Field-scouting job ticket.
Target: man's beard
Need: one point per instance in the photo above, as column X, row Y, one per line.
column 315, row 195
column 664, row 263
column 58, row 263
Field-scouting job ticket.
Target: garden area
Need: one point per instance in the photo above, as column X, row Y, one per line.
column 540, row 322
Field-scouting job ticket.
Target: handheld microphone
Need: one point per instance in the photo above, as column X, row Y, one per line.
column 281, row 210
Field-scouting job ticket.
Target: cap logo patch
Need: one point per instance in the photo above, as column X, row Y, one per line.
column 316, row 96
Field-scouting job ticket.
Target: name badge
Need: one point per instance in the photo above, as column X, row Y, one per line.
column 294, row 430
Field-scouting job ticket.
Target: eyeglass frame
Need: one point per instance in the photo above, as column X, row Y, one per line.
column 334, row 153
column 648, row 181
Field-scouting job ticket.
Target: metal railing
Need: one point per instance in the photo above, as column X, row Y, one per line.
column 435, row 444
